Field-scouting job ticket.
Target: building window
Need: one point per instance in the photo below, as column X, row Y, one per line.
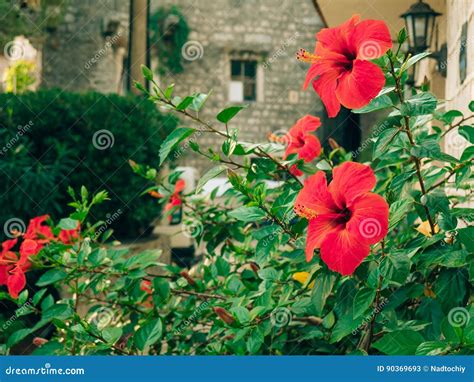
column 243, row 85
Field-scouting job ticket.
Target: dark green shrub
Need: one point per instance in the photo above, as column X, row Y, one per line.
column 49, row 140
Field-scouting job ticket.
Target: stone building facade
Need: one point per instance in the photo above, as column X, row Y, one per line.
column 86, row 50
column 244, row 50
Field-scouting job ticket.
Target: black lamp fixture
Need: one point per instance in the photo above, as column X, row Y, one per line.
column 420, row 22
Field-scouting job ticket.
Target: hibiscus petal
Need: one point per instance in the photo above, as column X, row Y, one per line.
column 179, row 186
column 343, row 252
column 326, row 86
column 314, row 198
column 350, row 180
column 356, row 88
column 371, row 38
column 309, row 123
column 16, row 282
column 311, row 148
column 8, row 244
column 369, row 218
column 336, row 39
column 318, row 229
column 28, row 248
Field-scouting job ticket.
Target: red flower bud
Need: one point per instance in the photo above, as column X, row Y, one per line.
column 38, row 341
column 188, row 278
column 224, row 315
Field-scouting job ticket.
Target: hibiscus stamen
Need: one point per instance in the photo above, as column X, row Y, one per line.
column 305, row 212
column 304, row 56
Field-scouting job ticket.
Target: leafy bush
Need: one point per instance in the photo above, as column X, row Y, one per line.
column 355, row 259
column 53, row 139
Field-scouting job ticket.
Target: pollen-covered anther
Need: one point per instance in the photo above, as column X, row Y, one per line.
column 304, row 56
column 305, row 212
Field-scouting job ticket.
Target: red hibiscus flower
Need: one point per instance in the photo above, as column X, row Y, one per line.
column 175, row 198
column 13, row 267
column 69, row 236
column 340, row 70
column 345, row 218
column 38, row 231
column 300, row 141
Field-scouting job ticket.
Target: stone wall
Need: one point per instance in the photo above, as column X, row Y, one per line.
column 270, row 31
column 86, row 50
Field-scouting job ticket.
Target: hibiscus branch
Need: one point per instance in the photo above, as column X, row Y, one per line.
column 407, row 130
column 209, row 128
column 366, row 340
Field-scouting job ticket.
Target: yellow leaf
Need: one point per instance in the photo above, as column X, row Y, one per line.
column 301, row 277
column 425, row 229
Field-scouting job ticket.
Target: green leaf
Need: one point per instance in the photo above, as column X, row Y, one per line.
column 420, row 104
column 16, row 337
column 467, row 132
column 161, row 288
column 185, row 103
column 398, row 211
column 242, row 314
column 111, row 335
column 227, row 114
column 396, row 267
column 169, row 92
column 172, row 140
column 471, row 106
column 402, row 342
column 432, row 348
column 321, row 291
column 68, row 223
column 58, row 311
column 378, row 103
column 414, row 59
column 363, row 300
column 211, row 174
column 402, row 36
column 148, row 334
column 147, row 73
column 248, row 214
column 255, row 341
column 51, row 276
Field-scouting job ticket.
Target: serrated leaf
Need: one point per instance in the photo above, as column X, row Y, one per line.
column 419, row 104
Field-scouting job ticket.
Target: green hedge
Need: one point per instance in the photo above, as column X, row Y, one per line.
column 49, row 140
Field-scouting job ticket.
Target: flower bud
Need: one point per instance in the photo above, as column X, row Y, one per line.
column 188, row 278
column 224, row 315
column 38, row 341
